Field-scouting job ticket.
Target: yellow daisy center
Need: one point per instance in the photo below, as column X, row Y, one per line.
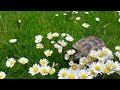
column 74, row 67
column 106, row 70
column 11, row 62
column 23, row 61
column 71, row 52
column 39, row 40
column 97, row 68
column 43, row 62
column 93, row 55
column 51, row 37
column 89, row 58
column 119, row 56
column 49, row 53
column 105, row 51
column 84, row 61
column 110, row 66
column 119, row 48
column 39, row 46
column 84, row 76
column 44, row 70
column 51, row 71
column 35, row 69
column 100, row 55
column 63, row 74
column 1, row 76
column 92, row 72
column 81, row 67
column 71, row 76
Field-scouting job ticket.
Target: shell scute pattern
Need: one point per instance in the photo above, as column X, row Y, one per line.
column 86, row 44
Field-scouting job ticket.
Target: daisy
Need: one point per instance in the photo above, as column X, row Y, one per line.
column 39, row 46
column 116, row 66
column 57, row 46
column 63, row 34
column 89, row 58
column 77, row 18
column 13, row 40
column 110, row 64
column 117, row 48
column 71, row 74
column 65, row 14
column 55, row 34
column 86, row 12
column 106, row 70
column 119, row 20
column 60, row 50
column 107, row 51
column 50, row 36
column 71, row 63
column 74, row 66
column 2, row 75
column 100, row 55
column 83, row 61
column 117, row 54
column 52, row 71
column 92, row 73
column 81, row 67
column 71, row 52
column 93, row 53
column 85, row 25
column 66, row 57
column 52, row 42
column 35, row 69
column 23, row 60
column 97, row 19
column 19, row 21
column 62, row 74
column 38, row 38
column 10, row 62
column 56, row 15
column 75, row 12
column 62, row 43
column 43, row 62
column 85, row 74
column 44, row 70
column 48, row 53
column 69, row 38
column 96, row 67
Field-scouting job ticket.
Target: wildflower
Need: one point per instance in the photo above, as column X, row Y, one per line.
column 85, row 74
column 43, row 62
column 23, row 60
column 52, row 71
column 2, row 75
column 97, row 19
column 50, row 36
column 38, row 38
column 69, row 38
column 13, row 40
column 77, row 18
column 71, row 52
column 48, row 53
column 39, row 46
column 85, row 25
column 62, row 74
column 10, row 62
column 35, row 69
column 44, row 70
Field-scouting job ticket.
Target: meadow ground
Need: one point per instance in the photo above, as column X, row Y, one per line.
column 42, row 22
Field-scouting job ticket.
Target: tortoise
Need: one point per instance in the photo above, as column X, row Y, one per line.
column 85, row 45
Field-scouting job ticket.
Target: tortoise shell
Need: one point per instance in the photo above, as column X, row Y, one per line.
column 85, row 45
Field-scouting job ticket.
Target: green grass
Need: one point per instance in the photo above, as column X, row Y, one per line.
column 43, row 22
